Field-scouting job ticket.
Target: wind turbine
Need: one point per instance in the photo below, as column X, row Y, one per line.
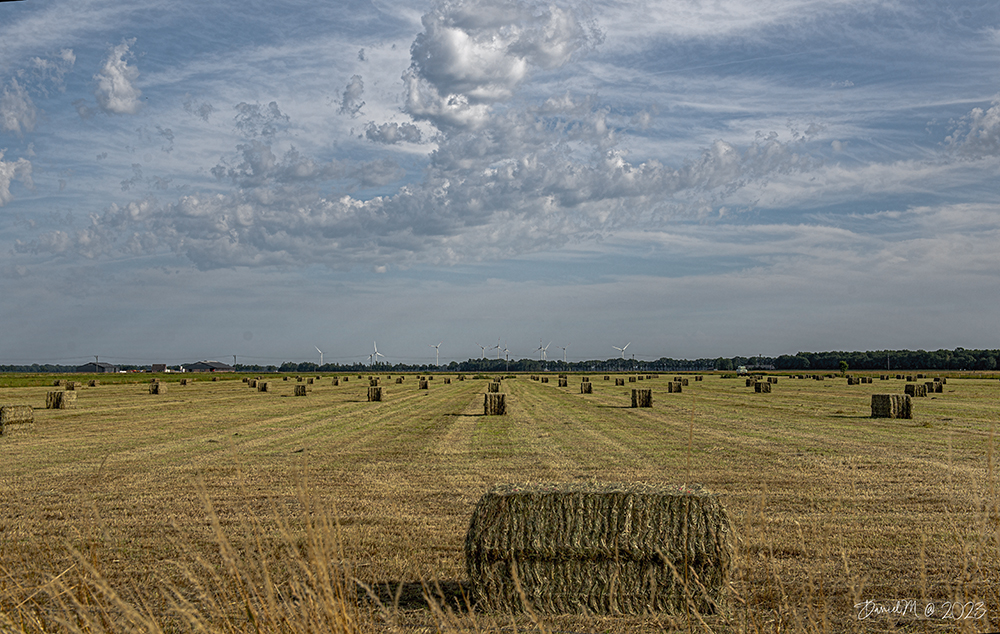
column 622, row 350
column 484, row 350
column 564, row 351
column 320, row 355
column 541, row 350
column 437, row 358
column 376, row 354
column 497, row 348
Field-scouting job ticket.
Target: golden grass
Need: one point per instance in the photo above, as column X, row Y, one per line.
column 196, row 510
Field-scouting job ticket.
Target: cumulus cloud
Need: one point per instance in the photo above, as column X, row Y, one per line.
column 17, row 112
column 978, row 133
column 351, row 103
column 9, row 171
column 116, row 91
column 391, row 133
column 255, row 120
column 475, row 53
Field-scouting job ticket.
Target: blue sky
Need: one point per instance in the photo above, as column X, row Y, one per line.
column 187, row 180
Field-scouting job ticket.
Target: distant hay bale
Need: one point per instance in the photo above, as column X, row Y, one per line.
column 399, row 380
column 750, row 382
column 915, row 390
column 59, row 383
column 374, row 382
column 563, row 383
column 891, row 406
column 447, row 381
column 920, row 376
column 374, row 394
column 909, row 378
column 642, row 398
column 335, row 382
column 494, row 388
column 430, row 378
column 699, row 378
column 252, row 383
column 599, row 549
column 215, row 378
column 309, row 381
column 461, row 377
column 585, row 379
column 607, row 378
column 422, row 384
column 850, row 380
column 246, row 379
column 587, row 388
column 263, row 386
column 762, row 387
column 347, row 377
column 93, row 383
column 157, row 388
column 284, row 378
column 300, row 390
column 684, row 382
column 674, row 386
column 640, row 377
column 619, row 381
column 298, row 379
column 494, row 404
column 184, row 381
column 631, row 379
column 545, row 379
column 773, row 380
column 934, row 387
column 16, row 418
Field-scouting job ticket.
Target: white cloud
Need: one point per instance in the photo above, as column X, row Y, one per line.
column 17, row 112
column 978, row 133
column 351, row 102
column 391, row 133
column 9, row 171
column 116, row 91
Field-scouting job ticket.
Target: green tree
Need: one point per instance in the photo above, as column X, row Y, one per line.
column 843, row 367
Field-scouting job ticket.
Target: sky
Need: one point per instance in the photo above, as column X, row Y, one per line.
column 195, row 180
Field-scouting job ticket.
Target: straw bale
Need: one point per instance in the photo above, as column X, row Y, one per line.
column 891, row 406
column 252, row 383
column 461, row 377
column 263, row 386
column 699, row 378
column 246, row 379
column 422, row 384
column 157, row 388
column 72, row 385
column 493, row 387
column 300, row 390
column 399, row 380
column 585, row 379
column 935, row 387
column 335, row 382
column 684, row 382
column 929, row 386
column 640, row 377
column 347, row 377
column 762, row 387
column 309, row 381
column 59, row 383
column 909, row 378
column 284, row 378
column 599, row 548
column 93, row 383
column 374, row 382
column 494, row 404
column 607, row 378
column 447, row 381
column 16, row 417
column 920, row 376
column 674, row 386
column 374, row 394
column 750, row 382
column 631, row 379
column 642, row 398
column 215, row 378
column 563, row 383
column 184, row 381
column 619, row 381
column 545, row 379
column 587, row 388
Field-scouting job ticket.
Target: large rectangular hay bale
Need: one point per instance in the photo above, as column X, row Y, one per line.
column 94, row 383
column 563, row 383
column 599, row 548
column 493, row 388
column 762, row 387
column 263, row 386
column 16, row 417
column 422, row 384
column 157, row 388
column 300, row 390
column 60, row 400
column 587, row 388
column 642, row 398
column 374, row 394
column 674, row 387
column 891, row 406
column 620, row 382
column 494, row 404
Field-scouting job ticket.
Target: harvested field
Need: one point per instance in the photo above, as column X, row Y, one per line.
column 830, row 507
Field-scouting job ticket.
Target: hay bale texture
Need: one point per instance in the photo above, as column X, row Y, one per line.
column 891, row 406
column 599, row 548
column 642, row 398
column 157, row 388
column 93, row 383
column 422, row 384
column 762, row 387
column 587, row 388
column 563, row 383
column 620, row 382
column 493, row 388
column 674, row 386
column 494, row 404
column 263, row 386
column 16, row 417
column 300, row 390
column 374, row 394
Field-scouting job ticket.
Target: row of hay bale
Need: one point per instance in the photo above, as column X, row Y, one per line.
column 599, row 548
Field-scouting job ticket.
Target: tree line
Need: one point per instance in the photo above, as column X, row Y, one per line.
column 888, row 360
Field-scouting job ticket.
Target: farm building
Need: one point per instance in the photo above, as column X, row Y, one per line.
column 97, row 368
column 208, row 366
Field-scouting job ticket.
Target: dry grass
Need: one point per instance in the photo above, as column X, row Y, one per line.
column 105, row 524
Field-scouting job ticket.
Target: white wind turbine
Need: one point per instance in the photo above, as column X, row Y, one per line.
column 484, row 350
column 622, row 349
column 437, row 358
column 563, row 348
column 376, row 354
column 497, row 348
column 320, row 355
column 541, row 350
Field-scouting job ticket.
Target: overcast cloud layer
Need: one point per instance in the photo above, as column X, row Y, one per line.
column 183, row 181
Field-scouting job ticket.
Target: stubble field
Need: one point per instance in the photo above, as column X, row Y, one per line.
column 207, row 507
